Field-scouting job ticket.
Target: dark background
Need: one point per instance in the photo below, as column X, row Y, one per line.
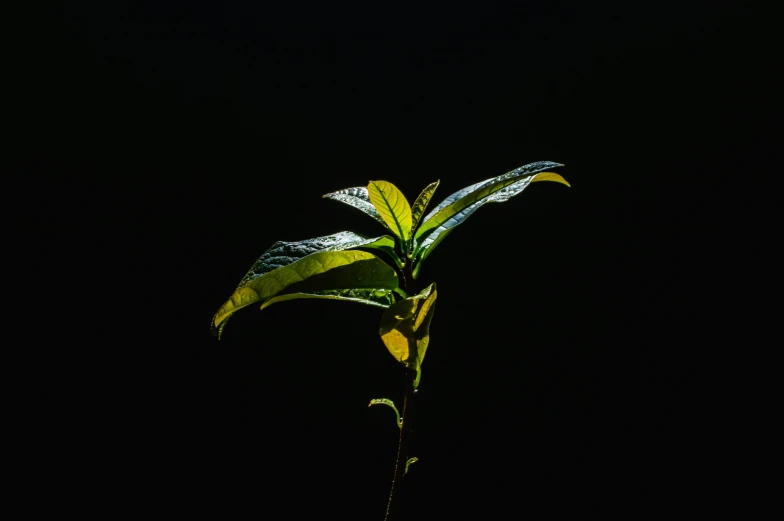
column 581, row 361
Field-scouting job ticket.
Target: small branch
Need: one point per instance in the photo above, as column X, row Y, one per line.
column 400, row 292
column 389, row 403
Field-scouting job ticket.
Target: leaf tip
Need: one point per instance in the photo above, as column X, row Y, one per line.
column 550, row 176
column 216, row 330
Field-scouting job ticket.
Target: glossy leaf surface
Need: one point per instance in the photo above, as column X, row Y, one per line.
column 323, row 274
column 451, row 199
column 420, row 205
column 283, row 253
column 359, row 199
column 393, row 208
column 466, row 197
column 405, row 327
column 446, row 217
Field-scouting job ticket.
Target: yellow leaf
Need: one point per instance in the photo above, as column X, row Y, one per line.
column 550, row 176
column 405, row 327
column 393, row 208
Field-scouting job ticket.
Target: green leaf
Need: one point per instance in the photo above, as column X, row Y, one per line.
column 422, row 334
column 393, row 207
column 460, row 205
column 452, row 198
column 378, row 297
column 476, row 192
column 389, row 403
column 359, row 199
column 405, row 327
column 315, row 268
column 314, row 274
column 409, row 462
column 386, row 244
column 283, row 253
column 420, row 205
column 550, row 176
column 421, row 255
column 397, row 329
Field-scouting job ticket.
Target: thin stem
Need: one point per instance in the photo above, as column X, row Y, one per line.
column 403, row 440
column 408, row 406
column 408, row 277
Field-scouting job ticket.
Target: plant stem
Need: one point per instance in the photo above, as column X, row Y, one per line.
column 408, row 277
column 408, row 406
column 403, row 440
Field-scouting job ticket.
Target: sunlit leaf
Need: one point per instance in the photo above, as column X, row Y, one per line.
column 422, row 254
column 451, row 199
column 420, row 205
column 283, row 253
column 550, row 176
column 460, row 205
column 323, row 274
column 422, row 331
column 405, row 327
column 422, row 324
column 397, row 329
column 393, row 208
column 466, row 197
column 359, row 199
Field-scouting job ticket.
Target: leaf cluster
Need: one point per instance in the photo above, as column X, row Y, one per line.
column 347, row 266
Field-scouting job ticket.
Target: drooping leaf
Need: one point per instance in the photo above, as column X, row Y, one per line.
column 465, row 202
column 420, row 205
column 324, row 274
column 389, row 403
column 283, row 253
column 409, row 463
column 405, row 327
column 359, row 199
column 393, row 208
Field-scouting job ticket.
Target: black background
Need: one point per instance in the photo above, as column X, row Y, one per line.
column 581, row 360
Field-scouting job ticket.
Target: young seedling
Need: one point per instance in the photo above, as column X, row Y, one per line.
column 340, row 267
